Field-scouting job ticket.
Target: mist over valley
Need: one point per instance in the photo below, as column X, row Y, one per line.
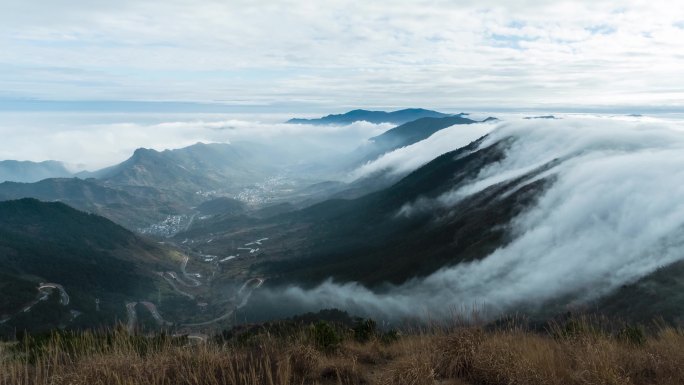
column 415, row 221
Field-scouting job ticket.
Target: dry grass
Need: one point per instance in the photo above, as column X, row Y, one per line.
column 465, row 355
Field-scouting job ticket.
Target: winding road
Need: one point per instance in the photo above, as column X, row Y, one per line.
column 64, row 297
column 44, row 291
column 176, row 288
column 239, row 300
column 241, row 297
column 152, row 308
column 171, row 278
column 189, row 277
column 178, row 279
column 132, row 316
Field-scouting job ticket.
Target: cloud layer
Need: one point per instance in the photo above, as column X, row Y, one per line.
column 93, row 141
column 406, row 159
column 614, row 214
column 447, row 54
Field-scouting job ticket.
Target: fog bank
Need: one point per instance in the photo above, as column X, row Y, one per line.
column 615, row 213
column 92, row 141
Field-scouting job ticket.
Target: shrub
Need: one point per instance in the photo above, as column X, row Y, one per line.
column 633, row 335
column 458, row 351
column 576, row 328
column 325, row 336
column 415, row 370
column 390, row 336
column 364, row 330
column 304, row 361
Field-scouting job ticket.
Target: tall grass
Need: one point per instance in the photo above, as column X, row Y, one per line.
column 573, row 353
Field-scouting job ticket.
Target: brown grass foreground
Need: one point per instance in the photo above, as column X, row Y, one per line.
column 466, row 355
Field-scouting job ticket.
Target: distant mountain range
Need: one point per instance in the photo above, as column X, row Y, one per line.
column 198, row 167
column 26, row 171
column 394, row 117
column 151, row 185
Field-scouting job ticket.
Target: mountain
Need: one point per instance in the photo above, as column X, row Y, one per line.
column 406, row 135
column 415, row 131
column 404, row 237
column 83, row 256
column 150, row 168
column 132, row 206
column 659, row 295
column 220, row 206
column 394, row 117
column 374, row 240
column 152, row 189
column 369, row 241
column 25, row 171
column 191, row 170
column 539, row 219
column 366, row 240
column 401, row 136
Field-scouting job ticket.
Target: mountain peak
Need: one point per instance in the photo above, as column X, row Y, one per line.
column 394, row 117
column 143, row 151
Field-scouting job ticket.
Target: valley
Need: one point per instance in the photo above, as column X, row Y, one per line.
column 218, row 236
column 341, row 192
column 174, row 283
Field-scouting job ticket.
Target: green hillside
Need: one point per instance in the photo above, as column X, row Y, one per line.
column 88, row 255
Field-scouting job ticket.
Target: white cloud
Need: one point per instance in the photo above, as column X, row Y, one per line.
column 347, row 53
column 97, row 140
column 406, row 159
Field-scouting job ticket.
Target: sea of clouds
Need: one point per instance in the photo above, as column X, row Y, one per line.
column 92, row 141
column 614, row 214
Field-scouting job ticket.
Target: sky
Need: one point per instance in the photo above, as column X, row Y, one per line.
column 336, row 55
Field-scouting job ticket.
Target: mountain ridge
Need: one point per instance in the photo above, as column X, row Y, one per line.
column 28, row 171
column 394, row 117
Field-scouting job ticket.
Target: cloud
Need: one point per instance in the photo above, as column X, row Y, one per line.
column 97, row 140
column 406, row 159
column 346, row 53
column 613, row 215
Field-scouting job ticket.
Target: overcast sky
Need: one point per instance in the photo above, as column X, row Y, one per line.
column 336, row 54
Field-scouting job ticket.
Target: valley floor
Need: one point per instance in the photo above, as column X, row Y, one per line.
column 572, row 354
